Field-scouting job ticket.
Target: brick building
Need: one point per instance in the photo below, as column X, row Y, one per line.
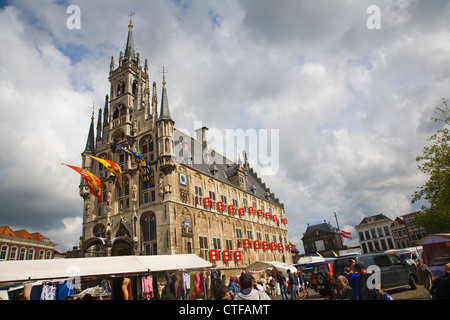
column 22, row 245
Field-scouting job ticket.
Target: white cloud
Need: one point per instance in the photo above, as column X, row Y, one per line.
column 352, row 105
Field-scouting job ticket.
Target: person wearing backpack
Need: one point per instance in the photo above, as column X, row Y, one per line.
column 247, row 292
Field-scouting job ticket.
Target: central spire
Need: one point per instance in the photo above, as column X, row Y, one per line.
column 165, row 112
column 129, row 47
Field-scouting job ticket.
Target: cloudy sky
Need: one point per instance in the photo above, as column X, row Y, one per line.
column 351, row 104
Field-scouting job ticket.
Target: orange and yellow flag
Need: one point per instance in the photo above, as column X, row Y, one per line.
column 112, row 167
column 93, row 182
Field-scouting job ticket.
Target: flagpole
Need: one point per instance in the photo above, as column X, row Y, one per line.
column 340, row 237
column 337, row 223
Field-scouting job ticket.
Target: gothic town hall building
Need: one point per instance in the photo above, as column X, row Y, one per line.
column 220, row 211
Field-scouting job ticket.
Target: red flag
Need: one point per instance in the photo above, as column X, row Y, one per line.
column 93, row 182
column 344, row 234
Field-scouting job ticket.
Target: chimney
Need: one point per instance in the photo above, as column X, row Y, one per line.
column 202, row 136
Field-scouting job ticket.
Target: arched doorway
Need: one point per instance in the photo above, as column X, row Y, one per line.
column 94, row 247
column 122, row 246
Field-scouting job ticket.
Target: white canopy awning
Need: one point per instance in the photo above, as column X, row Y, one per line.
column 82, row 267
column 260, row 266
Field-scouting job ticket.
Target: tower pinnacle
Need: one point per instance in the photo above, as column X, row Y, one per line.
column 129, row 47
column 165, row 112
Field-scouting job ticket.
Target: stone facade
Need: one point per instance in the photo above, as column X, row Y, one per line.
column 375, row 234
column 185, row 207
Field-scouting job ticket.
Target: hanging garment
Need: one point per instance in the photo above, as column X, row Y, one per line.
column 147, row 288
column 48, row 291
column 106, row 285
column 195, row 285
column 65, row 289
column 202, row 282
column 167, row 292
column 176, row 285
column 36, row 292
column 186, row 285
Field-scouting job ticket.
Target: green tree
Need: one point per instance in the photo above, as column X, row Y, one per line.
column 435, row 162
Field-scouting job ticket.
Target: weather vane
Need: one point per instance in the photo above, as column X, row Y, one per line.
column 131, row 19
column 163, row 75
column 93, row 108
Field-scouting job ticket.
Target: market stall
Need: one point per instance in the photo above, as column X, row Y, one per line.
column 436, row 252
column 139, row 273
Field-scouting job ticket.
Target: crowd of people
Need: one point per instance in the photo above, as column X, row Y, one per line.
column 354, row 284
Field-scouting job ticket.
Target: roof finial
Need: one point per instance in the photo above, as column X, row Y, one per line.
column 163, row 75
column 93, row 109
column 131, row 19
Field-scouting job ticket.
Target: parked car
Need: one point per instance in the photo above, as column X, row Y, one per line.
column 395, row 271
column 335, row 268
column 410, row 255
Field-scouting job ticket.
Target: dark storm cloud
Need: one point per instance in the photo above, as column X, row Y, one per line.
column 352, row 105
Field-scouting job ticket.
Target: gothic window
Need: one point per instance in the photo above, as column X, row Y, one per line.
column 148, row 233
column 134, row 89
column 203, row 247
column 102, row 206
column 123, row 110
column 120, row 88
column 124, row 195
column 198, row 196
column 146, row 147
column 212, row 198
column 120, row 156
column 218, row 246
column 116, row 113
column 119, row 112
column 148, row 193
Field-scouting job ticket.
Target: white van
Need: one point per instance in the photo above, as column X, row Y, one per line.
column 410, row 255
